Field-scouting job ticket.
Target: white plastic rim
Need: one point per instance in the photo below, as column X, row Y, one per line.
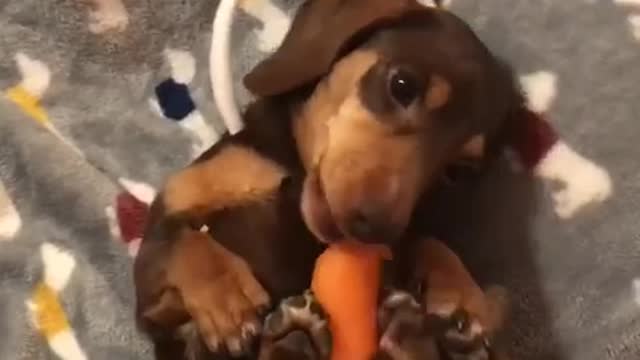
column 220, row 66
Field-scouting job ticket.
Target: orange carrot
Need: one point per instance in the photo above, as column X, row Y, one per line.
column 346, row 282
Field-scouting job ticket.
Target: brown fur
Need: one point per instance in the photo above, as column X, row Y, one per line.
column 439, row 93
column 336, row 127
column 450, row 284
column 232, row 274
column 311, row 125
column 341, row 147
column 339, row 21
column 236, row 175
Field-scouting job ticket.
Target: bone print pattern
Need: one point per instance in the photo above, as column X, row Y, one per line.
column 107, row 16
column 82, row 154
column 27, row 94
column 10, row 221
column 173, row 100
column 47, row 312
column 634, row 16
column 275, row 22
column 582, row 181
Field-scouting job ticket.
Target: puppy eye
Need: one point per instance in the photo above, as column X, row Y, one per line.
column 404, row 87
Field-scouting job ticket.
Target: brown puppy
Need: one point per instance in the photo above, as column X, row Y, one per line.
column 391, row 93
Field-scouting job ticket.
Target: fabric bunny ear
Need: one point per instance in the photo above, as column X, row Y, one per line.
column 320, row 30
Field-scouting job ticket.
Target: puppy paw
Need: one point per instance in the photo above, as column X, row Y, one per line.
column 219, row 291
column 463, row 336
column 296, row 329
column 227, row 313
column 467, row 329
column 406, row 332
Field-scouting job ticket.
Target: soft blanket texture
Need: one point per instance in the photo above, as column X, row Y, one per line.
column 99, row 104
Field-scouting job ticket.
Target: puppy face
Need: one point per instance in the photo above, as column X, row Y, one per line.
column 375, row 134
column 372, row 147
column 386, row 119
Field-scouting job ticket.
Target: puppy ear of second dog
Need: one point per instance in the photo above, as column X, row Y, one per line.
column 318, row 34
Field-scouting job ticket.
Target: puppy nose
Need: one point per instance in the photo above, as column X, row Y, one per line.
column 367, row 224
column 360, row 225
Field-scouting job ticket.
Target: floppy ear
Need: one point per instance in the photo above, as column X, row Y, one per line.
column 318, row 33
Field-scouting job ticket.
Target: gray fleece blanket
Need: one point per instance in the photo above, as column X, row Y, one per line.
column 99, row 103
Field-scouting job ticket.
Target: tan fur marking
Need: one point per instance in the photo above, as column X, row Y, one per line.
column 168, row 310
column 217, row 287
column 366, row 163
column 355, row 133
column 310, row 128
column 439, row 92
column 234, row 176
column 342, row 139
column 474, row 148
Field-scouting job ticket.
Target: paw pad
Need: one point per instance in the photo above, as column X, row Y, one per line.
column 299, row 322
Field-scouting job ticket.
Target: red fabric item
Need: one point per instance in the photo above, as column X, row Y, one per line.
column 132, row 216
column 533, row 139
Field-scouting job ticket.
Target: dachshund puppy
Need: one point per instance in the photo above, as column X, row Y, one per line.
column 342, row 144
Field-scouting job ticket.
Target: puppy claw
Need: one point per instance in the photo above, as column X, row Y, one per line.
column 476, row 329
column 250, row 329
column 465, row 337
column 213, row 343
column 234, row 346
column 461, row 324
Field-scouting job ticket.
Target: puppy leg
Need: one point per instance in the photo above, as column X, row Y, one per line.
column 182, row 274
column 450, row 293
column 218, row 289
column 408, row 334
column 214, row 287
